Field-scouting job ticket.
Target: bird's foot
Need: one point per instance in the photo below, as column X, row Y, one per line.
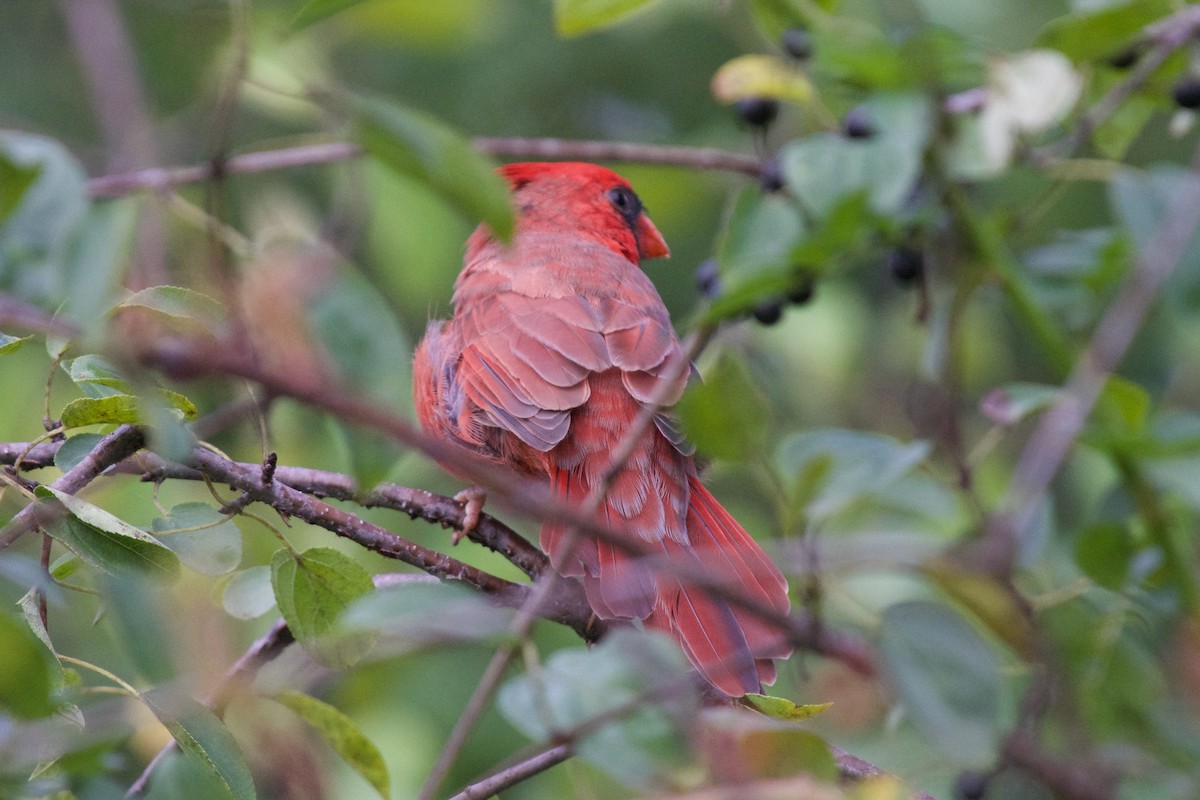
column 472, row 499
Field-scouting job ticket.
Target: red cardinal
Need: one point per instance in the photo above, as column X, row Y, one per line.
column 557, row 342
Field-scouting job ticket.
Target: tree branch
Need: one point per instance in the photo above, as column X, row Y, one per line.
column 116, row 446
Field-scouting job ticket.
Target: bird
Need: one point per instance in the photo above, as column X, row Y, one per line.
column 557, row 343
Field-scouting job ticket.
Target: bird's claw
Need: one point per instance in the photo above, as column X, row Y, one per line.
column 472, row 499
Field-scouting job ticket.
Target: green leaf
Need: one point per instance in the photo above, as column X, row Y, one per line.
column 91, row 368
column 214, row 549
column 316, row 10
column 344, row 736
column 15, row 179
column 414, row 615
column 421, row 147
column 361, row 337
column 11, row 344
column 312, row 590
column 1007, row 405
column 948, row 678
column 108, row 542
column 36, row 234
column 95, row 263
column 1141, row 201
column 1091, row 35
column 824, row 168
column 248, row 594
column 26, row 670
column 116, row 409
column 204, row 738
column 573, row 17
column 577, row 684
column 784, row 709
column 838, row 467
column 754, row 252
column 181, row 305
column 725, row 416
column 1105, row 552
column 121, row 408
column 75, row 449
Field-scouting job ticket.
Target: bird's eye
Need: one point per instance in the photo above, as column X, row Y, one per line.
column 626, row 202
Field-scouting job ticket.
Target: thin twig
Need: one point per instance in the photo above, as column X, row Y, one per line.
column 157, row 178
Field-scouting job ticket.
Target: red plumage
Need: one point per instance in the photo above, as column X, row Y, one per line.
column 557, row 342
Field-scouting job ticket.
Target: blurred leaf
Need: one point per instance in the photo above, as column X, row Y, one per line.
column 1140, row 201
column 948, row 678
column 1009, row 404
column 1094, row 34
column 115, row 409
column 852, row 465
column 741, row 748
column 760, row 76
column 11, row 344
column 15, row 179
column 75, row 449
column 361, row 337
column 824, row 168
column 1104, row 552
column 578, row 684
column 860, row 54
column 90, row 275
column 316, row 10
column 783, row 709
column 417, row 145
column 312, row 589
column 215, row 549
column 725, row 416
column 204, row 738
column 413, row 615
column 36, row 234
column 248, row 593
column 25, row 670
column 180, row 305
column 344, row 736
column 108, row 542
column 992, row 603
column 1116, row 135
column 573, row 17
column 143, row 620
column 754, row 252
column 1125, row 405
column 33, row 618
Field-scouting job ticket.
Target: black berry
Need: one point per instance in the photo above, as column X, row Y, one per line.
column 1186, row 92
column 708, row 278
column 771, row 179
column 906, row 264
column 757, row 111
column 797, row 43
column 802, row 293
column 1124, row 59
column 857, row 124
column 971, row 785
column 769, row 312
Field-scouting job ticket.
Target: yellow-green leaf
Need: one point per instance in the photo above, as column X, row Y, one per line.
column 344, row 736
column 784, row 709
column 573, row 17
column 760, row 76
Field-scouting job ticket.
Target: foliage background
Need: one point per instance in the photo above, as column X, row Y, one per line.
column 1109, row 579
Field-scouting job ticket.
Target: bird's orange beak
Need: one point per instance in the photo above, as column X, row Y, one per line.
column 650, row 242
